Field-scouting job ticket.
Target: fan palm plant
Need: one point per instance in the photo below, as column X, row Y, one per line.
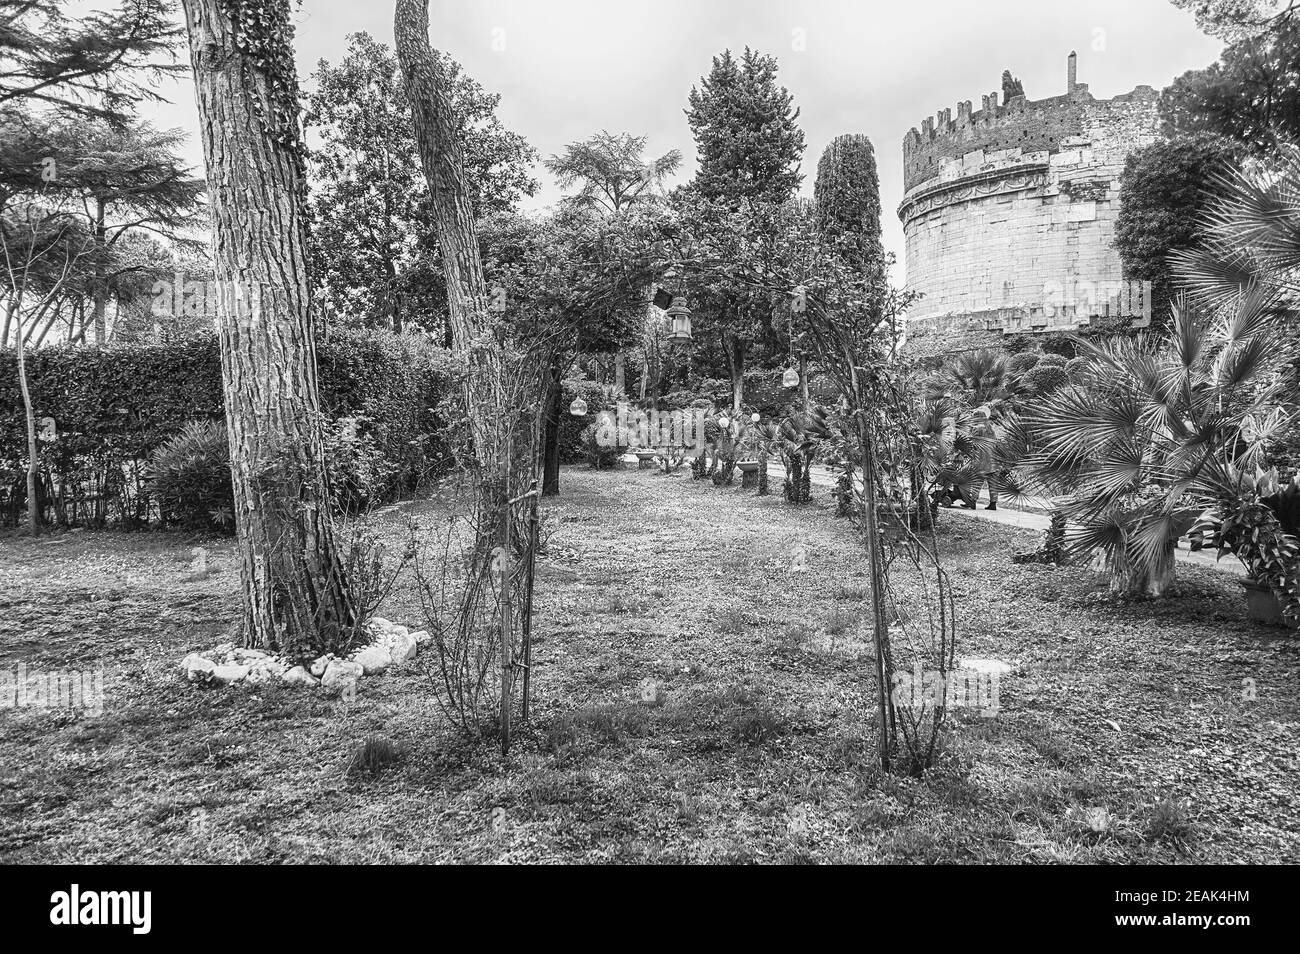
column 1156, row 431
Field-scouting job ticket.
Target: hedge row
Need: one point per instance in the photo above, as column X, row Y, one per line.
column 113, row 406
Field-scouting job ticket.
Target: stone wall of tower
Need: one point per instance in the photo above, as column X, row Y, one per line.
column 1009, row 216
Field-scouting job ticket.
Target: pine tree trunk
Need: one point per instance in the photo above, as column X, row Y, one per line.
column 296, row 596
column 441, row 156
column 493, row 424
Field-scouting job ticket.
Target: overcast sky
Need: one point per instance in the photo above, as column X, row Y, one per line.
column 567, row 68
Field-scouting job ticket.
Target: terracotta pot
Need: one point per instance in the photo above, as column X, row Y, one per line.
column 1263, row 606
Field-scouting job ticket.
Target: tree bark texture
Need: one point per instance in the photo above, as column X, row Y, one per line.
column 296, row 596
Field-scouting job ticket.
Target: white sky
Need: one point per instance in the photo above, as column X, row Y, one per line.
column 571, row 67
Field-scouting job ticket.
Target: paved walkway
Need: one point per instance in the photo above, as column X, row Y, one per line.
column 1028, row 519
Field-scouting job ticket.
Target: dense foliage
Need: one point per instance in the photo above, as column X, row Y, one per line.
column 1165, row 190
column 113, row 407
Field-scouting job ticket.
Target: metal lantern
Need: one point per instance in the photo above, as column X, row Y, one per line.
column 790, row 379
column 679, row 320
column 578, row 408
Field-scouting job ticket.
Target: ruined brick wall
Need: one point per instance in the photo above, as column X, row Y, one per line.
column 1009, row 215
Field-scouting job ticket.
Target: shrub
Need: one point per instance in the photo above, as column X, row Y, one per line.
column 115, row 406
column 598, row 455
column 1053, row 360
column 1044, row 379
column 1017, row 343
column 1020, row 363
column 374, row 756
column 358, row 471
column 1058, row 343
column 190, row 477
column 1076, row 366
column 573, row 447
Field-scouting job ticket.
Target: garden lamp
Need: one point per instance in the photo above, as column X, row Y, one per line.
column 679, row 320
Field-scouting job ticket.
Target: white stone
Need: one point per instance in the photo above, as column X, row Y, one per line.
column 319, row 665
column 341, row 677
column 197, row 668
column 992, row 666
column 373, row 659
column 421, row 637
column 403, row 649
column 229, row 674
column 298, row 676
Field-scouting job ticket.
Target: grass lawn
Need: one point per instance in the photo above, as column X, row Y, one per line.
column 759, row 746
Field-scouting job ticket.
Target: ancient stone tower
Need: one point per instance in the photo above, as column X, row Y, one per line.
column 1009, row 215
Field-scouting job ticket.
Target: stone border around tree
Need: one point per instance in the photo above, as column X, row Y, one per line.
column 390, row 645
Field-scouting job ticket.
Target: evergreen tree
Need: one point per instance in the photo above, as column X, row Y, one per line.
column 372, row 238
column 748, row 145
column 1251, row 95
column 100, row 64
column 746, row 135
column 1165, row 191
column 847, row 196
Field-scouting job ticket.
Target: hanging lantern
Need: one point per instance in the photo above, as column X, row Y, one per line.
column 755, row 418
column 679, row 320
column 724, row 423
column 578, row 408
column 790, row 379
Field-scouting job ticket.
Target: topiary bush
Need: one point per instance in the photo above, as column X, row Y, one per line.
column 1058, row 342
column 1020, row 363
column 189, row 476
column 1075, row 367
column 1053, row 360
column 1044, row 379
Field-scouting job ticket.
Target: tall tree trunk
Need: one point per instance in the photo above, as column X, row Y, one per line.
column 493, row 424
column 551, row 459
column 100, row 284
column 620, row 371
column 735, row 348
column 33, row 461
column 296, row 595
column 9, row 317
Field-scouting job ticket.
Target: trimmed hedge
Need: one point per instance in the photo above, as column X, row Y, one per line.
column 114, row 406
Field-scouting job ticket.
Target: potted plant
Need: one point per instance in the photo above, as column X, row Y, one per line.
column 767, row 436
column 748, row 450
column 725, row 449
column 1248, row 528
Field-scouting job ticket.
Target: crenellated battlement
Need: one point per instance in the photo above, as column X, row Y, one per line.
column 1019, row 123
